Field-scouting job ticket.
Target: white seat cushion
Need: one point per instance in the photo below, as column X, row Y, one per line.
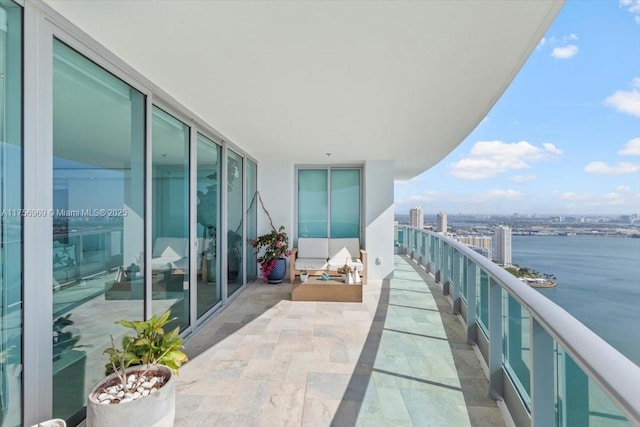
column 162, row 263
column 311, row 264
column 313, row 247
column 351, row 244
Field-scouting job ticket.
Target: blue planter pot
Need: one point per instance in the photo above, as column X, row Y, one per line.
column 278, row 272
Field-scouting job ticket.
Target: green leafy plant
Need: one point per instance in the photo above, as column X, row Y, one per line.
column 149, row 346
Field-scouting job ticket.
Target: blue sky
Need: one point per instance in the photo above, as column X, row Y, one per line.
column 565, row 136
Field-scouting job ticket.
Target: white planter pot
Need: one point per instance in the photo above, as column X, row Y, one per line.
column 304, row 277
column 56, row 422
column 157, row 409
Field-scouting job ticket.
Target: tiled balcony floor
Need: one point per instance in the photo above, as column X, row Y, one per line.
column 393, row 360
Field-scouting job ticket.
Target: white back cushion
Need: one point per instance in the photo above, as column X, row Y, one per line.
column 351, row 244
column 313, row 247
column 342, row 257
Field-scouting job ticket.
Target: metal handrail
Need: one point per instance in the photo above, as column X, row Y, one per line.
column 618, row 376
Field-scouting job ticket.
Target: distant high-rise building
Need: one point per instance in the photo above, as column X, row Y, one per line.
column 503, row 245
column 416, row 217
column 442, row 223
column 480, row 244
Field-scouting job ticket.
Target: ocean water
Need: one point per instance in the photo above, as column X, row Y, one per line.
column 598, row 282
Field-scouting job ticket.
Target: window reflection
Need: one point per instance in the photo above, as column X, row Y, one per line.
column 10, row 220
column 98, row 220
column 170, row 217
column 208, row 227
column 234, row 222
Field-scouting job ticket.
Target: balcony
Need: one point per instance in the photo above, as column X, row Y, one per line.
column 450, row 339
column 398, row 358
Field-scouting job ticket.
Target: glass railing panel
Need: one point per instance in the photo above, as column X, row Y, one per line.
column 483, row 301
column 580, row 401
column 517, row 351
column 463, row 288
column 433, row 248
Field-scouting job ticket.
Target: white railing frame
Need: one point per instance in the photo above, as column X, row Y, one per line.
column 614, row 373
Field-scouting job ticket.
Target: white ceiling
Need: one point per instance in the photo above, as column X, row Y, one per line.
column 362, row 80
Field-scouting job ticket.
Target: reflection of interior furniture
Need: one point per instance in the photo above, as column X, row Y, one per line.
column 320, row 255
column 171, row 256
column 79, row 254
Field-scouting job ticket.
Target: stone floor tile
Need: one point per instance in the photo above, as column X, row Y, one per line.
column 393, row 360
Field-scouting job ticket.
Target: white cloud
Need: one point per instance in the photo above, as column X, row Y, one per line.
column 523, row 178
column 541, row 43
column 500, row 195
column 418, row 199
column 601, row 168
column 490, row 158
column 632, row 148
column 626, row 101
column 565, row 52
column 570, row 196
column 549, row 147
column 633, row 6
column 620, row 199
column 570, row 37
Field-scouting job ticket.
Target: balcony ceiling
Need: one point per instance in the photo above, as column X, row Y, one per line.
column 293, row 81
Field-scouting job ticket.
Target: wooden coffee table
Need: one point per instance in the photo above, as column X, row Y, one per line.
column 315, row 289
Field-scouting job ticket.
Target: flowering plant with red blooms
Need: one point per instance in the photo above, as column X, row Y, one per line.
column 272, row 245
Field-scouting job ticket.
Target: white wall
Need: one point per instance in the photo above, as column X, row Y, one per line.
column 276, row 183
column 378, row 185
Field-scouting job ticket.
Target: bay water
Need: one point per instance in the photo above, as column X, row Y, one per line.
column 598, row 282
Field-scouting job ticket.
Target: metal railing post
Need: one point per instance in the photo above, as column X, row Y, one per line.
column 542, row 377
column 495, row 339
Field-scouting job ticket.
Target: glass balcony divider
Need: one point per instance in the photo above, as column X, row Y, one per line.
column 564, row 374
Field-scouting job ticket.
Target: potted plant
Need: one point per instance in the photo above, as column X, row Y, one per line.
column 274, row 248
column 56, row 422
column 345, row 271
column 139, row 388
column 304, row 275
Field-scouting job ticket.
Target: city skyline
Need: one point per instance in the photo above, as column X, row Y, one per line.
column 564, row 139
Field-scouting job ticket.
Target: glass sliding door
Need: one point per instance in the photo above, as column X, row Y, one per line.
column 313, row 203
column 329, row 202
column 98, row 221
column 345, row 203
column 234, row 222
column 208, row 227
column 170, row 217
column 11, row 219
column 252, row 218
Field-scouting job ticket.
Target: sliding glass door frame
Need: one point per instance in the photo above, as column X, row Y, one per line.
column 329, row 169
column 40, row 27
